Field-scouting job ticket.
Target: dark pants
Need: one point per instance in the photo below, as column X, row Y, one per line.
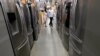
column 51, row 24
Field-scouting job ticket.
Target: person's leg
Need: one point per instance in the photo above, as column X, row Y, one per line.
column 51, row 18
column 50, row 21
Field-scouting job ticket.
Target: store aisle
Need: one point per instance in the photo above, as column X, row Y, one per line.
column 48, row 44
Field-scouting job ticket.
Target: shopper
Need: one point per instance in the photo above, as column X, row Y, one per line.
column 45, row 18
column 50, row 14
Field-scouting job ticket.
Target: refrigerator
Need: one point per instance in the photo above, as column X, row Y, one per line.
column 27, row 16
column 84, row 28
column 6, row 48
column 17, row 29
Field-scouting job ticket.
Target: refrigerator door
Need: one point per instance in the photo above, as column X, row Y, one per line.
column 5, row 44
column 34, row 21
column 23, row 49
column 91, row 46
column 76, row 37
column 28, row 24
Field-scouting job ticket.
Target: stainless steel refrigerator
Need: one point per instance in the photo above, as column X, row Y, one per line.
column 5, row 43
column 17, row 28
column 85, row 28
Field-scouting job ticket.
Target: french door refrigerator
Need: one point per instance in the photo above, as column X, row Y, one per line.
column 84, row 28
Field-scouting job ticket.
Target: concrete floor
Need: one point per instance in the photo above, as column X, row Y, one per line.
column 48, row 44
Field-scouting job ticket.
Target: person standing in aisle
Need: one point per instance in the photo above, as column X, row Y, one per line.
column 50, row 14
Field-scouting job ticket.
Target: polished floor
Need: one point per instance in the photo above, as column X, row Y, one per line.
column 48, row 44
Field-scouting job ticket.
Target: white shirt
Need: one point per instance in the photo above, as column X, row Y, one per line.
column 50, row 13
